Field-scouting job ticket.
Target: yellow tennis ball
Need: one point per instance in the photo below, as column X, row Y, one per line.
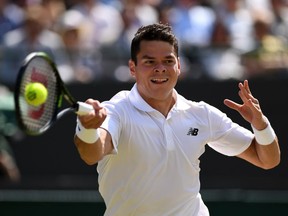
column 35, row 94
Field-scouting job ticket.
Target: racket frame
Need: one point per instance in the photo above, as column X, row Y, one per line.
column 62, row 93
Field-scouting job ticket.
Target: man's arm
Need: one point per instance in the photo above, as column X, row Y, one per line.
column 92, row 153
column 264, row 156
column 93, row 142
column 264, row 150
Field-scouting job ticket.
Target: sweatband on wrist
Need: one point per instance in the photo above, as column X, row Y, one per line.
column 89, row 136
column 265, row 136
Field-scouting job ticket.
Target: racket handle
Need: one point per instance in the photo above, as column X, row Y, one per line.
column 83, row 108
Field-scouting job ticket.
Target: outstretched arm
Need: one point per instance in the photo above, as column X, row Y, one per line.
column 92, row 142
column 264, row 150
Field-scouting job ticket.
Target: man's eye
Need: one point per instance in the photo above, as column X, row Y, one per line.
column 169, row 61
column 149, row 62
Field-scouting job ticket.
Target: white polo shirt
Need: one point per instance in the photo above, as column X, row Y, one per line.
column 155, row 168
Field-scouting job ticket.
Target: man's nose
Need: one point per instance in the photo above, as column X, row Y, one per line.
column 160, row 68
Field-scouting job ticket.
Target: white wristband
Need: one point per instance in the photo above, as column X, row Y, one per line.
column 89, row 136
column 266, row 136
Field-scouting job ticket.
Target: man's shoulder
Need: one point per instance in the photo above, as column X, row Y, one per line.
column 191, row 103
column 118, row 99
column 120, row 96
column 196, row 106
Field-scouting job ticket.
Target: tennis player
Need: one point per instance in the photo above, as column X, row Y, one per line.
column 147, row 141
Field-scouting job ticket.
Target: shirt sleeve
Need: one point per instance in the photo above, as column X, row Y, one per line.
column 113, row 123
column 226, row 136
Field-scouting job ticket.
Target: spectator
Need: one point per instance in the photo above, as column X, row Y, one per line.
column 134, row 15
column 34, row 35
column 7, row 23
column 84, row 61
column 103, row 23
column 9, row 171
column 192, row 23
column 101, row 28
column 239, row 22
column 270, row 55
column 220, row 59
column 144, row 10
column 279, row 26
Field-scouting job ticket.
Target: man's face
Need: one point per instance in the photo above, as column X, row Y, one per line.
column 157, row 70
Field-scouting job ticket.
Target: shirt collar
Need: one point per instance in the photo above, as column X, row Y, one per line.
column 141, row 104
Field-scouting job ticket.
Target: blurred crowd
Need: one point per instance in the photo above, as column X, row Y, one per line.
column 90, row 39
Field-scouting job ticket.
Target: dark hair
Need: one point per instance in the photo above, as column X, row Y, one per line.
column 158, row 32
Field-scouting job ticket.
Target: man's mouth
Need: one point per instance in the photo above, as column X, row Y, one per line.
column 158, row 80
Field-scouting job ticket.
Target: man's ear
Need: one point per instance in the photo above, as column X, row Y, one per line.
column 132, row 68
column 179, row 67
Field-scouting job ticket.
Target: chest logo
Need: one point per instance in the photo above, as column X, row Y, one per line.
column 193, row 131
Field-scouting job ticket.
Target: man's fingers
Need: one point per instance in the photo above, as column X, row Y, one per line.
column 246, row 93
column 231, row 104
column 246, row 85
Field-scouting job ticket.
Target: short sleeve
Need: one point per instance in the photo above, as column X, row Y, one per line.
column 227, row 137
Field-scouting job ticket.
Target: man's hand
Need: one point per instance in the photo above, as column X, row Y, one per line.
column 250, row 109
column 96, row 117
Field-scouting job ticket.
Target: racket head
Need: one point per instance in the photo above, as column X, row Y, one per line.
column 37, row 67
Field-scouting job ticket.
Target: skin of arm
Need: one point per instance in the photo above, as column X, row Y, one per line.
column 8, row 167
column 263, row 156
column 92, row 153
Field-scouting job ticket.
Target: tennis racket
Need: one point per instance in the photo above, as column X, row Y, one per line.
column 35, row 120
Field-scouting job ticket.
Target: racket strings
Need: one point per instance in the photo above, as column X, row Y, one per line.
column 36, row 118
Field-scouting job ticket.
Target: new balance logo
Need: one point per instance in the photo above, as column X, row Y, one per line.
column 193, row 131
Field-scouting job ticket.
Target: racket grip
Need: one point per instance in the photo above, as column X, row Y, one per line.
column 83, row 108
